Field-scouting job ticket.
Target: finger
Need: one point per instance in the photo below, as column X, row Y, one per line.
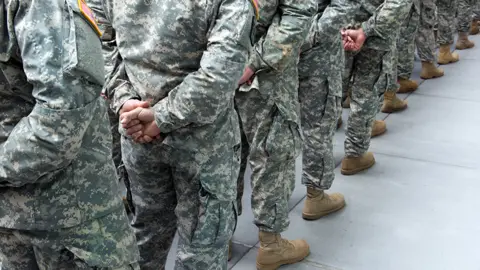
column 137, row 135
column 147, row 139
column 131, row 123
column 144, row 104
column 134, row 129
column 127, row 117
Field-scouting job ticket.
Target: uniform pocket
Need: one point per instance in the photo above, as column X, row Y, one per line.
column 283, row 140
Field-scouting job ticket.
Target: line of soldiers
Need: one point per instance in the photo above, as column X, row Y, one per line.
column 196, row 90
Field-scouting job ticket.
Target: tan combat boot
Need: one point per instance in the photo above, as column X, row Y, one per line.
column 474, row 30
column 339, row 122
column 346, row 102
column 445, row 56
column 430, row 71
column 391, row 103
column 379, row 127
column 319, row 204
column 230, row 250
column 275, row 251
column 463, row 42
column 354, row 165
column 406, row 85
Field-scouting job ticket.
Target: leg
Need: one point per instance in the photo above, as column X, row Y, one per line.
column 14, row 253
column 206, row 205
column 406, row 45
column 320, row 104
column 154, row 199
column 464, row 19
column 103, row 243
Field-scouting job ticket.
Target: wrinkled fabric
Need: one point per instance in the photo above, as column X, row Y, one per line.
column 269, row 109
column 98, row 244
column 446, row 17
column 406, row 46
column 55, row 165
column 464, row 15
column 58, row 188
column 186, row 63
column 425, row 40
column 320, row 90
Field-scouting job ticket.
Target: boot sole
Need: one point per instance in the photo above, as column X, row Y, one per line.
column 392, row 111
column 275, row 266
column 357, row 170
column 432, row 77
column 318, row 216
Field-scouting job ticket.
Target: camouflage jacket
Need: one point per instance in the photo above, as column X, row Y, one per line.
column 279, row 34
column 381, row 20
column 55, row 146
column 186, row 58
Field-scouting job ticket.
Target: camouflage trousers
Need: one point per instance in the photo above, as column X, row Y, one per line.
column 367, row 78
column 104, row 243
column 272, row 144
column 464, row 15
column 405, row 55
column 476, row 10
column 177, row 190
column 446, row 17
column 425, row 39
column 320, row 95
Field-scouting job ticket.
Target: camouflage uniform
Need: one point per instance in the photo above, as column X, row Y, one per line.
column 320, row 90
column 464, row 15
column 406, row 43
column 187, row 63
column 476, row 10
column 446, row 16
column 59, row 207
column 268, row 108
column 378, row 22
column 425, row 39
column 109, row 50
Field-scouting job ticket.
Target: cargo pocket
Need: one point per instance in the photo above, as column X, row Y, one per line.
column 215, row 222
column 283, row 140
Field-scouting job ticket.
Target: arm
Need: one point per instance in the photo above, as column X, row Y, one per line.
column 284, row 37
column 337, row 15
column 389, row 16
column 208, row 92
column 49, row 138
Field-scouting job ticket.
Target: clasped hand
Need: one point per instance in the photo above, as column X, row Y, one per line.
column 138, row 120
column 353, row 39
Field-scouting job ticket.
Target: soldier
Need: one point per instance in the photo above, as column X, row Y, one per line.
column 185, row 59
column 270, row 120
column 425, row 41
column 320, row 95
column 59, row 203
column 378, row 21
column 464, row 20
column 446, row 16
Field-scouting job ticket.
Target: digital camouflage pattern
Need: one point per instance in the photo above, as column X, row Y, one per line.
column 476, row 10
column 186, row 63
column 446, row 16
column 269, row 108
column 406, row 44
column 464, row 14
column 98, row 244
column 379, row 18
column 56, row 172
column 320, row 89
column 425, row 40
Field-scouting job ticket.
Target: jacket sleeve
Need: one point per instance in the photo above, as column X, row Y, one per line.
column 208, row 92
column 281, row 44
column 66, row 84
column 338, row 14
column 389, row 16
column 117, row 88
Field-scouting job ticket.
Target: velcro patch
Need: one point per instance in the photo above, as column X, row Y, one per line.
column 89, row 16
column 256, row 8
